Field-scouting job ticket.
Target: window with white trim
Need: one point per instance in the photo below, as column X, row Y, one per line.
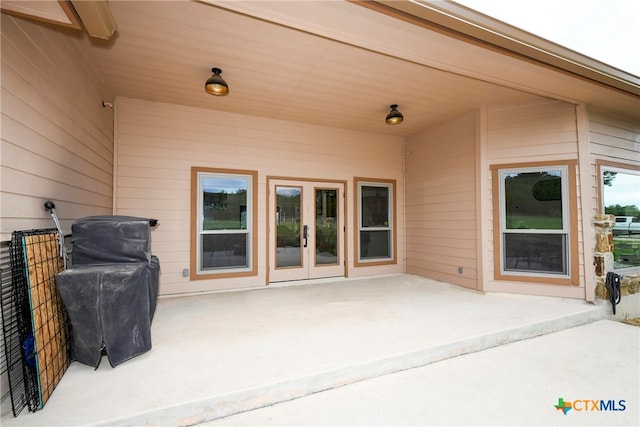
column 224, row 221
column 375, row 227
column 620, row 196
column 534, row 221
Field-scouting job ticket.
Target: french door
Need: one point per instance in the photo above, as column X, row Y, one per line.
column 306, row 230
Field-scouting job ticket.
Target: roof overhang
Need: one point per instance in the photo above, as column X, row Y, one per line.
column 464, row 22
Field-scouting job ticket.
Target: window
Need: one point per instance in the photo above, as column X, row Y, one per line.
column 535, row 234
column 620, row 196
column 375, row 222
column 223, row 223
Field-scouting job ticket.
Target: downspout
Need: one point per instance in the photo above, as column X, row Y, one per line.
column 404, row 205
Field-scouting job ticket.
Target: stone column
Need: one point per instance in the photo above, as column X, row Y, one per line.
column 603, row 251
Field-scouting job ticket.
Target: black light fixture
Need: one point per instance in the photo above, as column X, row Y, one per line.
column 216, row 84
column 394, row 117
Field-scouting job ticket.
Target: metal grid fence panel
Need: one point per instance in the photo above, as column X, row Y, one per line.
column 35, row 322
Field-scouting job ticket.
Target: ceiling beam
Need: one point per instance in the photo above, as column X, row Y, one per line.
column 96, row 18
column 53, row 12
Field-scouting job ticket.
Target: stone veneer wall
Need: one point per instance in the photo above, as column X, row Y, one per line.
column 603, row 263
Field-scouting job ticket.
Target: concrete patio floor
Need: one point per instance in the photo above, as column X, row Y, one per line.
column 220, row 354
column 516, row 384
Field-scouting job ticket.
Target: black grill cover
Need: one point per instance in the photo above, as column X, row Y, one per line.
column 154, row 283
column 110, row 306
column 112, row 289
column 110, row 239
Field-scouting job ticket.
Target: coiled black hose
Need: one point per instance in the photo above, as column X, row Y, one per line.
column 612, row 283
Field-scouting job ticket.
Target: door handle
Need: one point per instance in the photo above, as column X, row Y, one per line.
column 305, row 234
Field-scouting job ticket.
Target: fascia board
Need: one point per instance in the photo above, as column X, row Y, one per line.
column 451, row 16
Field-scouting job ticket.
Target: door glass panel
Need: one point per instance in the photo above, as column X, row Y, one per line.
column 288, row 204
column 326, row 227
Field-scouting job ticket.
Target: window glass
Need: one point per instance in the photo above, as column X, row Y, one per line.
column 534, row 223
column 375, row 244
column 224, row 203
column 375, row 206
column 621, row 197
column 224, row 222
column 224, row 251
column 533, row 200
column 375, row 234
column 536, row 253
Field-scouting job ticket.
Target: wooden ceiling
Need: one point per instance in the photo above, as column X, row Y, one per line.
column 330, row 63
column 164, row 52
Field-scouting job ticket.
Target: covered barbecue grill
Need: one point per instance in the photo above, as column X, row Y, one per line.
column 111, row 290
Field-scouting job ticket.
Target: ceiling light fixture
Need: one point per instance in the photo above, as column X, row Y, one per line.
column 216, row 84
column 394, row 117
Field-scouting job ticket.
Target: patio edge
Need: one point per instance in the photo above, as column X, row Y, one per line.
column 221, row 406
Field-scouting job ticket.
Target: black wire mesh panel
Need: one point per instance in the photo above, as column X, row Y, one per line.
column 35, row 320
column 13, row 312
column 16, row 320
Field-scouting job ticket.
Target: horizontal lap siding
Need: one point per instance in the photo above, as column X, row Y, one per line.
column 57, row 139
column 537, row 133
column 441, row 203
column 532, row 134
column 157, row 144
column 615, row 139
column 612, row 140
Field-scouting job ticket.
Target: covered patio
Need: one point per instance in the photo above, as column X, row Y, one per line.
column 218, row 354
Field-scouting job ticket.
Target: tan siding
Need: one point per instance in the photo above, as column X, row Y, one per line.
column 157, row 145
column 541, row 132
column 57, row 139
column 441, row 203
column 614, row 140
column 611, row 141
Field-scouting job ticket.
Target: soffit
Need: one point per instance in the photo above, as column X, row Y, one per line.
column 164, row 51
column 331, row 63
column 406, row 36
